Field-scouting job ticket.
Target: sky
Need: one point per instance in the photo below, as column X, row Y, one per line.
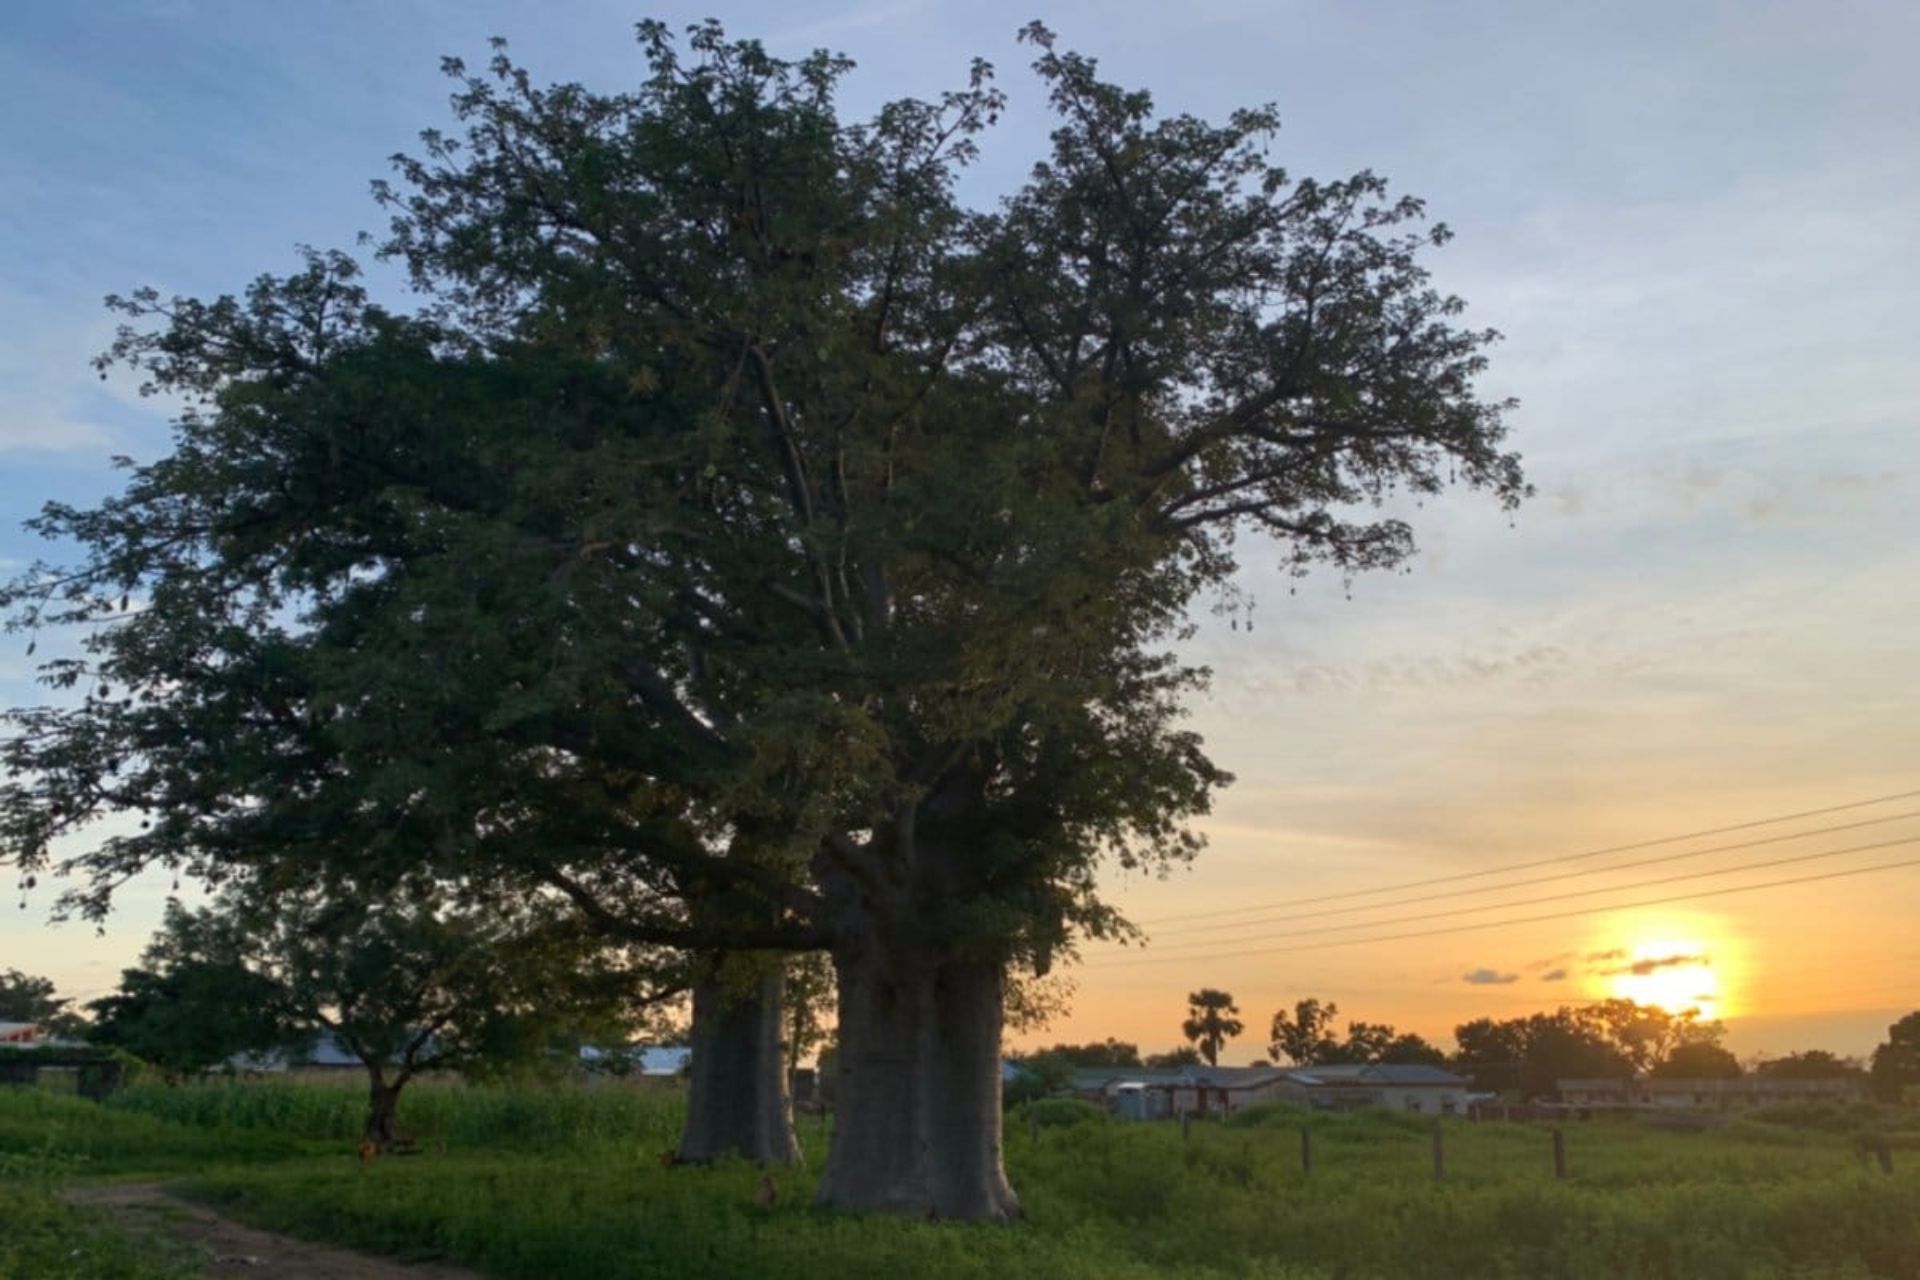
column 1698, row 227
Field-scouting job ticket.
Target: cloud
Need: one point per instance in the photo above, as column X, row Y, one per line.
column 1641, row 968
column 1489, row 978
column 1595, row 957
column 1554, row 975
column 1534, row 664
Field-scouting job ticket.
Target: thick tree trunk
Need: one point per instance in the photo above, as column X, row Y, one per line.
column 961, row 1107
column 738, row 1103
column 876, row 1158
column 916, row 1127
column 383, row 1107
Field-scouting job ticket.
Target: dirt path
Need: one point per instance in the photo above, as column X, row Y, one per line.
column 229, row 1249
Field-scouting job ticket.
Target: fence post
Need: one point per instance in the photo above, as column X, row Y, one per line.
column 1306, row 1149
column 1439, row 1152
column 1883, row 1152
column 1033, row 1124
column 1186, row 1126
column 1559, row 1154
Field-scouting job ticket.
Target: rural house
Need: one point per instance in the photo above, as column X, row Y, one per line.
column 1717, row 1095
column 1142, row 1094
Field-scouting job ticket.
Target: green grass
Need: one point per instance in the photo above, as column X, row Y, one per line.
column 43, row 1239
column 538, row 1183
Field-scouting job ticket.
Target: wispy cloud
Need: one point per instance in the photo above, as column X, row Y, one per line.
column 1533, row 664
column 1653, row 964
column 1488, row 978
column 1554, row 975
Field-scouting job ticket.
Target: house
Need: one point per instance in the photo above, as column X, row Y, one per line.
column 20, row 1033
column 641, row 1060
column 1750, row 1091
column 1601, row 1092
column 1398, row 1086
column 1741, row 1092
column 1142, row 1094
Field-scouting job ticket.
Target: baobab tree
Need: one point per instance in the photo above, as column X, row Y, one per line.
column 751, row 542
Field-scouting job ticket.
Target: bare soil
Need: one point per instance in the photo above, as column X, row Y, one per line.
column 228, row 1249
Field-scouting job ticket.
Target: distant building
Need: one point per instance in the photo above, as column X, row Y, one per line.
column 649, row 1060
column 1647, row 1092
column 1144, row 1094
column 32, row 1035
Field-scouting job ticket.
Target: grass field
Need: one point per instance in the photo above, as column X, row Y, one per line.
column 568, row 1182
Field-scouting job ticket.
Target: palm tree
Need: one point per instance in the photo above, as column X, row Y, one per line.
column 1211, row 1022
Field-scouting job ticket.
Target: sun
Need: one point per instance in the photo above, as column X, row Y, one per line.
column 1675, row 974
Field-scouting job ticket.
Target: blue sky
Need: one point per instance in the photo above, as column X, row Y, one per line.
column 1699, row 226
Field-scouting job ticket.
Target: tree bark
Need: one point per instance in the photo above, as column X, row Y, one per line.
column 917, row 1118
column 383, row 1105
column 961, row 1107
column 877, row 1157
column 738, row 1103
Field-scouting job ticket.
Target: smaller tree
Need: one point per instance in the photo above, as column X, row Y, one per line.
column 1408, row 1049
column 409, row 982
column 1212, row 1020
column 1896, row 1064
column 186, row 1014
column 1697, row 1061
column 1305, row 1037
column 1811, row 1064
column 1365, row 1042
column 1172, row 1060
column 1098, row 1053
column 27, row 998
column 1646, row 1034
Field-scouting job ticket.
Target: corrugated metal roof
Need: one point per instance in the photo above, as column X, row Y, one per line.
column 1393, row 1073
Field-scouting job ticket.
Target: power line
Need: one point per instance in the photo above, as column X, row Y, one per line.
column 1563, row 897
column 1561, row 875
column 1499, row 924
column 1540, row 862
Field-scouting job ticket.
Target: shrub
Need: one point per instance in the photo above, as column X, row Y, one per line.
column 1060, row 1113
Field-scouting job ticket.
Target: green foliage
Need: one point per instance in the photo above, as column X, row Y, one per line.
column 43, row 1239
column 1531, row 1055
column 740, row 504
column 1755, row 1201
column 518, row 1118
column 1837, row 1117
column 27, row 998
column 1697, row 1062
column 1305, row 1035
column 1895, row 1068
column 1035, row 1077
column 1811, row 1064
column 1060, row 1113
column 1183, row 1056
column 190, row 1016
column 1102, row 1053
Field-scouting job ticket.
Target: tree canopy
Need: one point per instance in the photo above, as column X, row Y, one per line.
column 26, row 997
column 1895, row 1066
column 1212, row 1020
column 405, row 983
column 746, row 539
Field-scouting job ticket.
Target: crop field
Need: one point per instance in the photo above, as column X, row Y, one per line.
column 570, row 1182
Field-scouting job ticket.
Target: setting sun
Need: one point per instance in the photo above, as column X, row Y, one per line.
column 1675, row 974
